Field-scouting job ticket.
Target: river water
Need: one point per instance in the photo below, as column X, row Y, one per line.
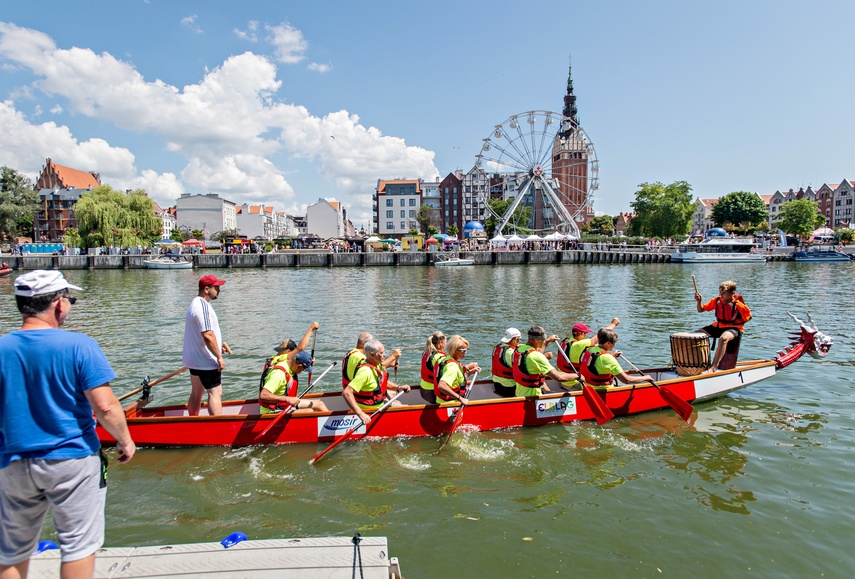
column 759, row 483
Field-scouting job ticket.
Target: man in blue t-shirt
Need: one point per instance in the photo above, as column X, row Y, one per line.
column 51, row 382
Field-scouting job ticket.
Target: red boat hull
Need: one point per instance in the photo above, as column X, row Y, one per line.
column 241, row 425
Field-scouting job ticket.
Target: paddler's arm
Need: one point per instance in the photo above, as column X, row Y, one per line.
column 108, row 411
column 304, row 342
column 211, row 343
column 392, row 360
column 351, row 401
column 446, row 389
column 698, row 301
column 614, row 324
column 560, row 376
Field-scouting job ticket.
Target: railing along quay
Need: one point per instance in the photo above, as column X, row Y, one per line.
column 309, row 258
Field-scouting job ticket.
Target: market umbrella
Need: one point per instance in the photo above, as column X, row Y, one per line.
column 388, row 240
column 431, row 240
column 372, row 239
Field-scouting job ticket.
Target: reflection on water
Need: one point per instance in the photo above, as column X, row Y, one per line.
column 763, row 468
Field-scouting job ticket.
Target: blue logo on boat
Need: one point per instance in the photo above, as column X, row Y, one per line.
column 338, row 425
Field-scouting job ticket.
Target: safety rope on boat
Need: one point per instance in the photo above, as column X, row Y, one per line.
column 357, row 554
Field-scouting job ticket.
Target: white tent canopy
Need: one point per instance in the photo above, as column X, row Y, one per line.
column 372, row 239
column 515, row 239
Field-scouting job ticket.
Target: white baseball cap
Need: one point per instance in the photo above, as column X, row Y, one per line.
column 510, row 334
column 41, row 281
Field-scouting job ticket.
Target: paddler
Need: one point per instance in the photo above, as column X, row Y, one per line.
column 532, row 367
column 731, row 313
column 288, row 346
column 279, row 391
column 451, row 373
column 574, row 348
column 599, row 366
column 503, row 364
column 367, row 390
column 356, row 356
column 434, row 352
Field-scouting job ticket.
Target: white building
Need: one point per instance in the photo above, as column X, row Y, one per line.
column 476, row 192
column 167, row 216
column 256, row 221
column 396, row 202
column 209, row 213
column 326, row 219
column 702, row 218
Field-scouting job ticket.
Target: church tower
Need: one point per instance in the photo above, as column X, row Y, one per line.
column 570, row 158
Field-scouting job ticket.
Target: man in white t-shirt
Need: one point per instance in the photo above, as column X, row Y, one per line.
column 203, row 348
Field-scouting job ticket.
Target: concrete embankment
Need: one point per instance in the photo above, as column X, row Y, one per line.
column 311, row 258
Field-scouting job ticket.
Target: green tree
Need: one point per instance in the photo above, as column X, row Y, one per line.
column 18, row 202
column 605, row 223
column 108, row 217
column 519, row 221
column 197, row 234
column 177, row 235
column 71, row 238
column 844, row 234
column 663, row 210
column 426, row 217
column 741, row 209
column 800, row 217
column 221, row 235
column 452, row 230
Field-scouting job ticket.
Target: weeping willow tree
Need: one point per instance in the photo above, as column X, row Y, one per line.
column 107, row 217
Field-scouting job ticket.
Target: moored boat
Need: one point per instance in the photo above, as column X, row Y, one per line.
column 241, row 424
column 168, row 262
column 454, row 261
column 717, row 247
column 819, row 254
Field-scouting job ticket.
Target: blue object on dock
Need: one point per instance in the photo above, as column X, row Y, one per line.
column 233, row 539
column 46, row 546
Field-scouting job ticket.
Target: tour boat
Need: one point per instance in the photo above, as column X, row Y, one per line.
column 820, row 253
column 718, row 250
column 241, row 424
column 168, row 262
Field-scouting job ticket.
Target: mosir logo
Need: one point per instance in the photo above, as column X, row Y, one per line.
column 560, row 407
column 338, row 425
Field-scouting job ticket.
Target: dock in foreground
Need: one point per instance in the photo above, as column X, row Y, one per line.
column 327, row 557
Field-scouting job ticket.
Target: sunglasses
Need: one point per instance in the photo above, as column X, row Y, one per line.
column 70, row 299
column 463, row 350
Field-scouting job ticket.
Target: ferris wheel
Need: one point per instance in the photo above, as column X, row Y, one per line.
column 545, row 160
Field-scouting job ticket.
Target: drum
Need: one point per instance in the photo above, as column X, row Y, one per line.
column 690, row 352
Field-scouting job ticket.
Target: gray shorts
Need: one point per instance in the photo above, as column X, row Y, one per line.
column 71, row 487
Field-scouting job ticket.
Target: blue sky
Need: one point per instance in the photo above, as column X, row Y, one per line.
column 289, row 102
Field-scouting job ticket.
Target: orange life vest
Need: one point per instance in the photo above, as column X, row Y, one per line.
column 376, row 396
column 429, row 366
column 521, row 374
column 727, row 315
column 439, row 368
column 562, row 362
column 500, row 367
column 344, row 361
column 588, row 369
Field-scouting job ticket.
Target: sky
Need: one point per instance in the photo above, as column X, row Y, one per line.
column 285, row 103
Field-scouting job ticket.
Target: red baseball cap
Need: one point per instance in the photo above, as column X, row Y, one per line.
column 210, row 280
column 581, row 328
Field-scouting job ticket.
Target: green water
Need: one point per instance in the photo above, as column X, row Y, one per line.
column 758, row 484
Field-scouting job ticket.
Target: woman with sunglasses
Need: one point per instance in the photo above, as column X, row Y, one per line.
column 451, row 373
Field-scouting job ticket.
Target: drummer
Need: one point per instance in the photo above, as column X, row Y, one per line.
column 731, row 313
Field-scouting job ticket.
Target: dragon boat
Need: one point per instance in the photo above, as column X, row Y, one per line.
column 241, row 424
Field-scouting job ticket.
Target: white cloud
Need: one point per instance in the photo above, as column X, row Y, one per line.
column 250, row 34
column 288, row 42
column 318, row 67
column 56, row 109
column 230, row 126
column 190, row 22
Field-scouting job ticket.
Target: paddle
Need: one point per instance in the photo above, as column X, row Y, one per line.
column 457, row 419
column 314, row 336
column 294, row 408
column 350, row 432
column 695, row 283
column 680, row 406
column 148, row 384
column 602, row 413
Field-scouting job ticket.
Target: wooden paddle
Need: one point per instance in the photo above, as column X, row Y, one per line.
column 314, row 336
column 350, row 432
column 602, row 413
column 680, row 406
column 459, row 418
column 695, row 283
column 150, row 384
column 294, row 408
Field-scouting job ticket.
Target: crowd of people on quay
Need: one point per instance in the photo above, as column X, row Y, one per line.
column 55, row 384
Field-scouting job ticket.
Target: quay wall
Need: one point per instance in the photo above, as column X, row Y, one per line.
column 326, row 259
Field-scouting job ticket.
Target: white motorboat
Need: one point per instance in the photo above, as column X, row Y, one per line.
column 453, row 261
column 717, row 247
column 168, row 262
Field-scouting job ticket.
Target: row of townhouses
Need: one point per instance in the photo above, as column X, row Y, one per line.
column 835, row 204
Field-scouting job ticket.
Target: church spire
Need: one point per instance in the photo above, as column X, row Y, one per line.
column 570, row 111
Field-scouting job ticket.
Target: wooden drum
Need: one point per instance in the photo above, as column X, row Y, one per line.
column 690, row 352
